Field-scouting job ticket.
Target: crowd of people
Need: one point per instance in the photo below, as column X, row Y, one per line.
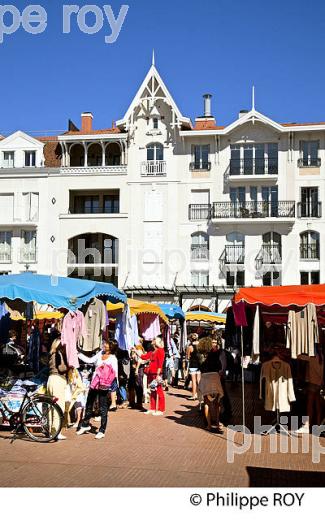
column 114, row 379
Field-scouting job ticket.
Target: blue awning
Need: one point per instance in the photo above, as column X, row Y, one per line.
column 57, row 291
column 172, row 311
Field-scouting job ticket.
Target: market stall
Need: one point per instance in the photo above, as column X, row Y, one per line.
column 287, row 322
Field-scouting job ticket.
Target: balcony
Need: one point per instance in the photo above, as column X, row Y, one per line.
column 153, row 168
column 200, row 166
column 99, row 210
column 5, row 256
column 269, row 254
column 199, row 252
column 309, row 162
column 233, row 255
column 309, row 209
column 309, row 251
column 28, row 256
column 253, row 166
column 199, row 211
column 253, row 210
column 94, row 170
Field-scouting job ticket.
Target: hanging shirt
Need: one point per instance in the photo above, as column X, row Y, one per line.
column 279, row 392
column 149, row 326
column 73, row 328
column 239, row 314
column 302, row 331
column 95, row 323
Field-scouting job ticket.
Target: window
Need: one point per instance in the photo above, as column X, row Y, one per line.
column 5, row 246
column 200, row 278
column 309, row 245
column 30, row 158
column 199, row 246
column 254, row 159
column 272, row 278
column 235, row 248
column 309, row 205
column 6, row 207
column 309, row 277
column 270, row 201
column 30, row 206
column 28, row 250
column 155, row 152
column 87, row 204
column 309, row 153
column 112, row 203
column 8, row 159
column 200, row 157
column 155, row 123
column 236, row 278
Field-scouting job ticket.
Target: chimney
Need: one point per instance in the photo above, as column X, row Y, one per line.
column 242, row 113
column 207, row 105
column 86, row 122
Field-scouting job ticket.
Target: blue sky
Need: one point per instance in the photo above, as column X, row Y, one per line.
column 217, row 46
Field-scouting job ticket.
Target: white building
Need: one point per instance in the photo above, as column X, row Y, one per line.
column 166, row 209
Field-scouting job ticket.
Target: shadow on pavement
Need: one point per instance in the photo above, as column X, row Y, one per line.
column 269, row 477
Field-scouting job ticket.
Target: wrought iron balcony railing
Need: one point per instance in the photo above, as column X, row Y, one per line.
column 268, row 254
column 309, row 251
column 199, row 211
column 200, row 165
column 153, row 168
column 233, row 255
column 254, row 166
column 199, row 252
column 309, row 209
column 307, row 162
column 253, row 209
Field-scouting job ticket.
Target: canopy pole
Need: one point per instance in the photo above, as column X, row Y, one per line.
column 242, row 380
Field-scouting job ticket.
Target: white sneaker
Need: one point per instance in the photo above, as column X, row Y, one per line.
column 158, row 412
column 83, row 429
column 61, row 437
column 303, row 429
column 149, row 412
column 100, row 435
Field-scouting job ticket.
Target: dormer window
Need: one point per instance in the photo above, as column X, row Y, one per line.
column 155, row 123
column 30, row 158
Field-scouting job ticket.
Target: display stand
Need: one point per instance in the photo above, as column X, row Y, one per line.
column 277, row 427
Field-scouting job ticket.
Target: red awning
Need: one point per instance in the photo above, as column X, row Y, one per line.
column 285, row 296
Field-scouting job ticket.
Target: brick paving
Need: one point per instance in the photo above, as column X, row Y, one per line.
column 139, row 450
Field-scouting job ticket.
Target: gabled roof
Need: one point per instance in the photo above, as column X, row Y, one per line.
column 23, row 135
column 153, row 87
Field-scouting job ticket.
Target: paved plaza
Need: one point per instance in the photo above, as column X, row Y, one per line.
column 141, row 450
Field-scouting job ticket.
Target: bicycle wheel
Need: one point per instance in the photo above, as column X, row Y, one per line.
column 42, row 419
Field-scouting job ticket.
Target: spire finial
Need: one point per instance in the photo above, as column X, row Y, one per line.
column 253, row 97
column 153, row 57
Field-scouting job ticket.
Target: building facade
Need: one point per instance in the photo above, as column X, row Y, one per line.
column 165, row 208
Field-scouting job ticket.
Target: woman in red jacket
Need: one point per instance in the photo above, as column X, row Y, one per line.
column 156, row 358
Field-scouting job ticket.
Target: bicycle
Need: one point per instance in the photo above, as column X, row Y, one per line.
column 39, row 416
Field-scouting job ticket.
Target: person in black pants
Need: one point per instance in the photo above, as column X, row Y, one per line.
column 103, row 410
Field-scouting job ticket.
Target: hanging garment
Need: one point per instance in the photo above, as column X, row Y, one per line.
column 73, row 328
column 95, row 324
column 302, row 331
column 149, row 326
column 4, row 323
column 279, row 392
column 123, row 329
column 135, row 331
column 256, row 335
column 239, row 314
column 34, row 346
